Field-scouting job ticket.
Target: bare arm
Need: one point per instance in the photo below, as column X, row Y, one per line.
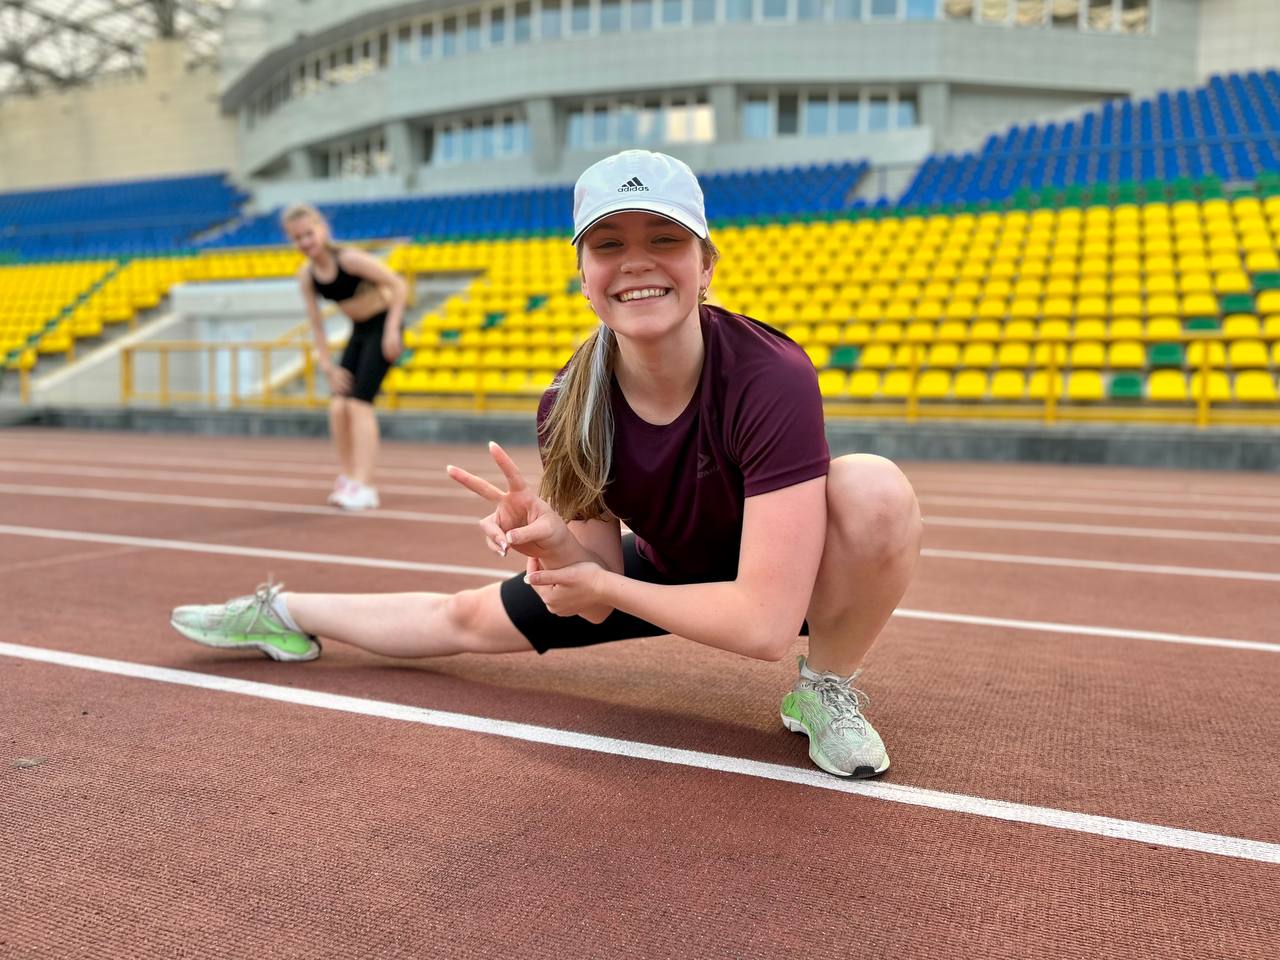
column 308, row 292
column 756, row 615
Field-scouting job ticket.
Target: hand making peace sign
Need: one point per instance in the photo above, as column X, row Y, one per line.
column 520, row 519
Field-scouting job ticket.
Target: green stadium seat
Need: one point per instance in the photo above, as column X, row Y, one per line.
column 1126, row 386
column 1166, row 355
column 1237, row 303
column 844, row 358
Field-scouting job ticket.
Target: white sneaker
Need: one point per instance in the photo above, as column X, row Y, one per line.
column 339, row 485
column 357, row 496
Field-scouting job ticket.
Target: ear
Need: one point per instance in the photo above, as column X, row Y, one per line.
column 582, row 279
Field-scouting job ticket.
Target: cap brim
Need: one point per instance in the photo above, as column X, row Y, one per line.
column 630, row 205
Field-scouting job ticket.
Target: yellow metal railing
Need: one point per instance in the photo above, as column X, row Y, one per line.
column 275, row 386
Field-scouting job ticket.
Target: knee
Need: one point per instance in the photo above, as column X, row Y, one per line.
column 338, row 408
column 464, row 615
column 871, row 503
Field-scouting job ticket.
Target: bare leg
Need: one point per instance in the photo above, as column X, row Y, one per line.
column 411, row 624
column 340, row 431
column 873, row 541
column 364, row 440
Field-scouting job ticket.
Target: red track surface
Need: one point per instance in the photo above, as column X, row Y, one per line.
column 171, row 821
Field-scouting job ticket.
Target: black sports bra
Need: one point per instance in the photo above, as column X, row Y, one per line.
column 341, row 287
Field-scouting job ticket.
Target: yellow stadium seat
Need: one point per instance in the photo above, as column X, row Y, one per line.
column 1271, row 327
column 896, row 384
column 1247, row 353
column 826, row 333
column 876, row 356
column 1013, row 353
column 1089, row 329
column 1008, row 385
column 943, row 354
column 1054, row 329
column 920, row 331
column 1241, row 325
column 1256, row 386
column 970, row 385
column 1126, row 355
column 1197, row 349
column 930, row 309
column 864, row 384
column 1127, row 327
column 1038, row 385
column 833, row 383
column 934, row 385
column 1085, row 386
column 979, row 353
column 887, row 332
column 1088, row 353
column 1164, row 327
column 985, row 330
column 1219, row 387
column 1167, row 386
column 1019, row 330
column 1268, row 302
column 1199, row 305
column 956, row 330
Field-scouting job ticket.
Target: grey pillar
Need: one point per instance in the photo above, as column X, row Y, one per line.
column 935, row 111
column 300, row 165
column 404, row 160
column 544, row 137
column 724, row 106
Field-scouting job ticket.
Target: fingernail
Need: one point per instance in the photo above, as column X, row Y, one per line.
column 527, row 580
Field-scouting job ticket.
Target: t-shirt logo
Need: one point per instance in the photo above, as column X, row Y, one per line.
column 632, row 185
column 706, row 466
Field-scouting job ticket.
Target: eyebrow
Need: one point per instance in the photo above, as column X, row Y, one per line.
column 651, row 222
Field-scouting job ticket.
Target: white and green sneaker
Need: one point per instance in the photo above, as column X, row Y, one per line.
column 248, row 622
column 827, row 709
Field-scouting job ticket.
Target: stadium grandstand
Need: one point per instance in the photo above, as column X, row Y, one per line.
column 1039, row 210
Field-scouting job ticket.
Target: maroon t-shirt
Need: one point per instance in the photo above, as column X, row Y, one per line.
column 754, row 425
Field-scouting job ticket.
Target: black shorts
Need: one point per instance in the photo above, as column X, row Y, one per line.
column 547, row 631
column 363, row 357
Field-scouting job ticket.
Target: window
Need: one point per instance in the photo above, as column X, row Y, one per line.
column 426, row 41
column 878, row 112
column 808, row 9
column 1135, row 16
column 906, row 112
column 846, row 9
column 641, row 14
column 882, row 9
column 449, row 36
column 774, row 9
column 994, row 11
column 848, row 113
column 610, row 16
column 522, row 27
column 737, row 11
column 497, row 26
column 673, row 12
column 1100, row 16
column 704, row 11
column 1029, row 13
column 1065, row 14
column 577, row 129
column 580, row 16
column 628, row 124
column 788, row 114
column 471, row 32
column 817, row 113
column 922, row 9
column 599, row 125
column 404, row 44
column 550, row 19
column 757, row 118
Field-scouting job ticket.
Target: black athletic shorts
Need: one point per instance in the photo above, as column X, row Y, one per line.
column 547, row 631
column 363, row 357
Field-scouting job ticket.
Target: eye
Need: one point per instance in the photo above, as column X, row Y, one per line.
column 605, row 245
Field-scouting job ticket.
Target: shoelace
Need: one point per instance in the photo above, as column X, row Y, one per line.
column 261, row 602
column 843, row 699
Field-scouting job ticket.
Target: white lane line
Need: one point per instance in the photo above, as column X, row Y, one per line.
column 222, row 503
column 1081, row 630
column 1159, row 569
column 188, row 546
column 1086, row 823
column 1100, row 509
column 490, row 574
column 225, row 479
column 1035, row 492
column 1092, row 529
column 225, row 503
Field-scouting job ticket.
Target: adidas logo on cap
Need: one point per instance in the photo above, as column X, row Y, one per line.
column 632, row 185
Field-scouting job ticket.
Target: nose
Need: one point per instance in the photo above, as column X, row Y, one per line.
column 637, row 260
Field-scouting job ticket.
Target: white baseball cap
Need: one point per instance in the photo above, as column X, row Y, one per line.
column 638, row 180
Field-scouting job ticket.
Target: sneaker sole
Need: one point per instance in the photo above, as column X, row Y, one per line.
column 210, row 640
column 859, row 773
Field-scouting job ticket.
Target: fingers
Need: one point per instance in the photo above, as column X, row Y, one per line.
column 541, row 529
column 494, row 538
column 475, row 484
column 515, row 480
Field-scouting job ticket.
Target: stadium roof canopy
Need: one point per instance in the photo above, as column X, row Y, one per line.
column 54, row 44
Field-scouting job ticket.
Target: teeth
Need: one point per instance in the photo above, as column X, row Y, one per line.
column 641, row 294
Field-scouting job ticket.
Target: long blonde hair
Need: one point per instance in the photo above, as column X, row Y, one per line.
column 577, row 435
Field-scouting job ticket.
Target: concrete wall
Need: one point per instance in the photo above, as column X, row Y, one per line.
column 1239, row 35
column 166, row 122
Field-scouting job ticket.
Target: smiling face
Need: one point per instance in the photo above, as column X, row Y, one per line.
column 642, row 274
column 308, row 234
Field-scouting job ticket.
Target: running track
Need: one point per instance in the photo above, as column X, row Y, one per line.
column 1078, row 694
